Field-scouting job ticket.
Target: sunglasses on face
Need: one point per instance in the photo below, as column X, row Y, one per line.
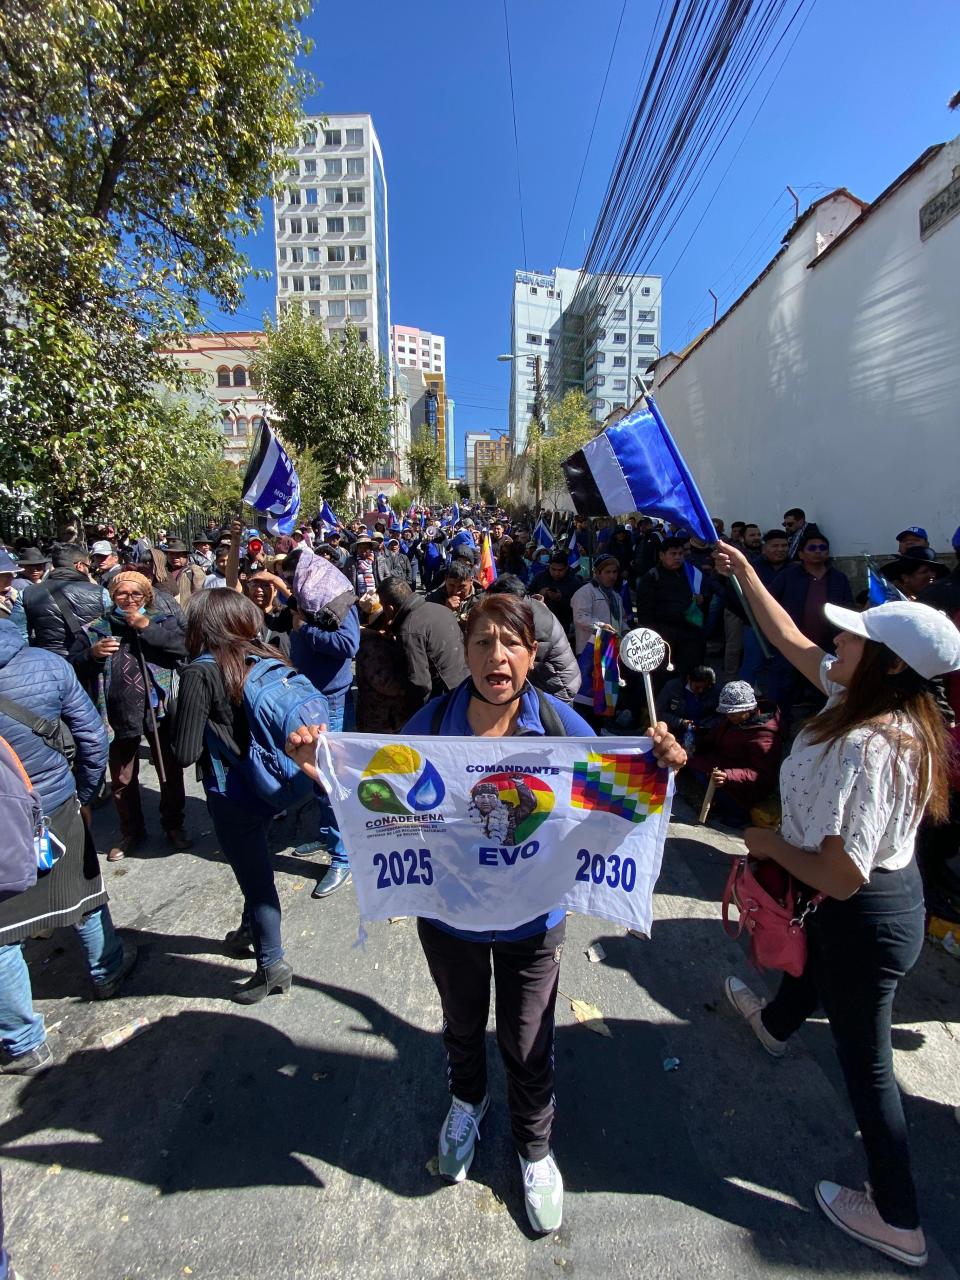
column 816, row 546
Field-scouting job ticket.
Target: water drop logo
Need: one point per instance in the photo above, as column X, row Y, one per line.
column 398, row 781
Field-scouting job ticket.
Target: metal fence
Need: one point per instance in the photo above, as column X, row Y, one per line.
column 38, row 528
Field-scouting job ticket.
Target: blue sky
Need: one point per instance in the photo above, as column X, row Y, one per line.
column 862, row 93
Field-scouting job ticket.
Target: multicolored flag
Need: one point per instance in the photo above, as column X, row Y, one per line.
column 488, row 565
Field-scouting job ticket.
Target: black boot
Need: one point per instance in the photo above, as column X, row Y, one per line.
column 275, row 977
column 239, row 941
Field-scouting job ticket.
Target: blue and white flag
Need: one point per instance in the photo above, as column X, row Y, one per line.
column 694, row 577
column 327, row 517
column 271, row 484
column 542, row 535
column 880, row 590
column 393, row 523
column 573, row 551
column 383, row 506
column 635, row 466
column 488, row 833
column 455, row 513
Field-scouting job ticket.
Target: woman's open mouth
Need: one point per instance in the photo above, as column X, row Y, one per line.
column 498, row 681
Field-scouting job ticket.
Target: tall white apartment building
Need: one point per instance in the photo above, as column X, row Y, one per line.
column 600, row 340
column 331, row 229
column 418, row 349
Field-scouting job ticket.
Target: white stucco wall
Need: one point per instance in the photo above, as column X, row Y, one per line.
column 837, row 388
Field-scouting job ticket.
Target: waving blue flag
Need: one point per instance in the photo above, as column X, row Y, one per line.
column 573, row 551
column 271, row 484
column 879, row 589
column 635, row 466
column 542, row 535
column 383, row 506
column 455, row 513
column 327, row 517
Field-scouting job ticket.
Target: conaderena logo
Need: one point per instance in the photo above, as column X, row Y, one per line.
column 398, row 780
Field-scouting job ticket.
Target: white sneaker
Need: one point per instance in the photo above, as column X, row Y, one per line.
column 855, row 1213
column 458, row 1138
column 543, row 1193
column 749, row 1007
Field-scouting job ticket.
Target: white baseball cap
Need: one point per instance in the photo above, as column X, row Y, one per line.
column 922, row 636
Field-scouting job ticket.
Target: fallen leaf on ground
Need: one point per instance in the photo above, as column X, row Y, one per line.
column 56, row 1168
column 395, row 919
column 297, row 887
column 589, row 1015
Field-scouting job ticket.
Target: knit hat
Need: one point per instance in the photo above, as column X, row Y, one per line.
column 133, row 582
column 738, row 695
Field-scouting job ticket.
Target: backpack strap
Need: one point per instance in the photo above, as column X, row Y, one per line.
column 48, row 731
column 66, row 610
column 552, row 724
column 439, row 711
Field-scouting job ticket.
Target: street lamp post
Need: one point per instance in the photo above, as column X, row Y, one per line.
column 538, row 419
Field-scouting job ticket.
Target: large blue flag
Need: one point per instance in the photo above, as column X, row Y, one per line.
column 542, row 535
column 635, row 466
column 383, row 506
column 271, row 484
column 327, row 517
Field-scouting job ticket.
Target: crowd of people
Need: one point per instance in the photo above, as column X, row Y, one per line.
column 491, row 625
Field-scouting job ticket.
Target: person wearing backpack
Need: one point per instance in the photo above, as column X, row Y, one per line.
column 496, row 700
column 43, row 713
column 238, row 701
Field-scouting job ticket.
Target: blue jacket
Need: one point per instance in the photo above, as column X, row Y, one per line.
column 325, row 657
column 46, row 684
column 456, row 724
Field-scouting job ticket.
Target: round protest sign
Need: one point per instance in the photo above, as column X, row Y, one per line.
column 642, row 649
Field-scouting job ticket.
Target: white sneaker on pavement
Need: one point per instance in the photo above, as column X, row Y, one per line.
column 855, row 1213
column 749, row 1006
column 458, row 1138
column 543, row 1193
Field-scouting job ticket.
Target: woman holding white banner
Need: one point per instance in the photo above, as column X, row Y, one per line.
column 853, row 790
column 498, row 701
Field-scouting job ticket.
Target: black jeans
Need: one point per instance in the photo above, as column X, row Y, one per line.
column 242, row 835
column 527, row 973
column 858, row 952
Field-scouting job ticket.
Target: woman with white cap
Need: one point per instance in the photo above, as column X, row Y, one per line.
column 853, row 790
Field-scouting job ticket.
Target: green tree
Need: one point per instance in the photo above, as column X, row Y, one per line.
column 136, row 142
column 571, row 427
column 493, row 482
column 428, row 466
column 329, row 398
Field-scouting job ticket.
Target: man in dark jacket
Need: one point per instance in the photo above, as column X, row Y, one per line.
column 58, row 608
column 431, row 638
column 665, row 602
column 556, row 584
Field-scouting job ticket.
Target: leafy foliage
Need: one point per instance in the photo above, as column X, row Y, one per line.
column 571, row 427
column 429, row 467
column 136, row 141
column 493, row 482
column 328, row 396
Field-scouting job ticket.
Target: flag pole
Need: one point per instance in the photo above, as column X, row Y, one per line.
column 744, row 605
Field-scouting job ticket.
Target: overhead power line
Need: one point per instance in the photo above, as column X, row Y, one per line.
column 516, row 137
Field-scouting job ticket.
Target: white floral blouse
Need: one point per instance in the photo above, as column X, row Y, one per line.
column 862, row 788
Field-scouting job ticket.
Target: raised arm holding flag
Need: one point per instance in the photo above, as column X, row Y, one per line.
column 271, row 484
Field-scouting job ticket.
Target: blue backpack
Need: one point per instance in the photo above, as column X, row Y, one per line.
column 276, row 700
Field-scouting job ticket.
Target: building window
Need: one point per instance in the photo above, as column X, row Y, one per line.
column 619, row 384
column 337, row 284
column 316, row 284
column 619, row 362
column 334, row 195
column 293, row 168
column 358, row 253
column 297, row 284
column 601, row 379
column 226, row 425
column 548, row 342
column 279, row 226
column 314, row 308
column 293, row 195
column 645, row 317
column 619, row 339
column 533, row 339
column 531, row 407
column 618, row 288
column 645, row 339
column 358, row 307
column 296, row 226
column 551, row 293
column 618, row 404
column 358, row 223
column 645, row 291
column 354, row 137
column 362, row 335
column 309, row 166
column 620, row 315
column 333, row 168
column 331, row 137
column 310, row 136
column 240, row 428
column 336, row 309
column 334, row 224
column 358, row 282
column 313, row 226
column 313, row 254
column 355, row 195
column 311, row 194
column 601, row 334
column 355, row 166
column 335, row 253
column 283, row 254
column 284, row 284
column 533, row 289
column 296, row 253
column 223, row 376
column 601, row 357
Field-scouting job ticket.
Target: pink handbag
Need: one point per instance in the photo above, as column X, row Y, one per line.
column 772, row 910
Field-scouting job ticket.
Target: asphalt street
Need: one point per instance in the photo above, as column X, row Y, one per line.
column 294, row 1139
